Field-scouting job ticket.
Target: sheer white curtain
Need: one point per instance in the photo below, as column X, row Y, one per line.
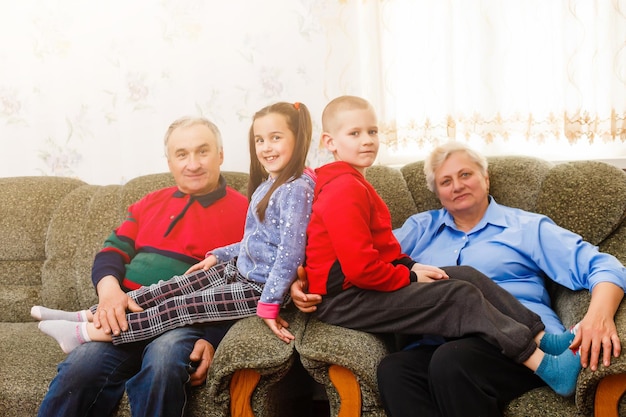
column 529, row 77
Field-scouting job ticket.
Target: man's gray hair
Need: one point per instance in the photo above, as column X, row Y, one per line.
column 187, row 121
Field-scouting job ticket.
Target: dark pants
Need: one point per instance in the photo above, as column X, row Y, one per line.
column 465, row 377
column 467, row 304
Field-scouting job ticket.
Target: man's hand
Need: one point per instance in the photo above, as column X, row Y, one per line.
column 428, row 273
column 305, row 302
column 279, row 327
column 202, row 354
column 205, row 264
column 112, row 306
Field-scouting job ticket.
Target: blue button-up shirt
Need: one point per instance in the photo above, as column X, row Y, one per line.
column 515, row 248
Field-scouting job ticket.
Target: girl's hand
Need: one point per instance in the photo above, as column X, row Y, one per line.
column 428, row 273
column 205, row 264
column 279, row 328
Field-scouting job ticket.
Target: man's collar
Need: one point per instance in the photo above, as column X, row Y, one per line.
column 207, row 199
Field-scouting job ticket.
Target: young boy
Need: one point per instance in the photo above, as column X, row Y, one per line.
column 355, row 262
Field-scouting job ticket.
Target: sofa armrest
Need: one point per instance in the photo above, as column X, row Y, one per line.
column 571, row 307
column 251, row 345
column 588, row 381
column 324, row 345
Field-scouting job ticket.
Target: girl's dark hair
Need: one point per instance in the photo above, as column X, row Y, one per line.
column 299, row 122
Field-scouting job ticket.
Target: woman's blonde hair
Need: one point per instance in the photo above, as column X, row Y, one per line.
column 439, row 155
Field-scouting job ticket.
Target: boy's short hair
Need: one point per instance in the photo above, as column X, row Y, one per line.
column 339, row 104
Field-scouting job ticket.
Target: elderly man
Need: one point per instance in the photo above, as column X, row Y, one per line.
column 163, row 235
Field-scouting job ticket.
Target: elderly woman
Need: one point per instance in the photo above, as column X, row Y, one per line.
column 518, row 250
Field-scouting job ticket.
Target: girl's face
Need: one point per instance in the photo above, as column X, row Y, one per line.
column 274, row 142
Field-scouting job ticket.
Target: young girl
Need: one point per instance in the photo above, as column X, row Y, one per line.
column 235, row 281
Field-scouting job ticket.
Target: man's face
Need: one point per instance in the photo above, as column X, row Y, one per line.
column 194, row 159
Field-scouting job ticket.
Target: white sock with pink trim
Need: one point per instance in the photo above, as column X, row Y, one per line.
column 44, row 313
column 68, row 334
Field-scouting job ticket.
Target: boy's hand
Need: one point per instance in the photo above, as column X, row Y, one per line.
column 428, row 273
column 279, row 328
column 205, row 264
column 305, row 302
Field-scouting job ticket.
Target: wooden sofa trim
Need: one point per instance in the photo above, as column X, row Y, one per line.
column 348, row 389
column 241, row 388
column 244, row 382
column 610, row 390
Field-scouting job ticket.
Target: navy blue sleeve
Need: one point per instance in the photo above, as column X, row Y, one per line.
column 214, row 333
column 107, row 263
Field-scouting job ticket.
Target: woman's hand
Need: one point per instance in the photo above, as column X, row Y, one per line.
column 597, row 331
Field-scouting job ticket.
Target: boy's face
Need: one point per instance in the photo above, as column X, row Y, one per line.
column 354, row 138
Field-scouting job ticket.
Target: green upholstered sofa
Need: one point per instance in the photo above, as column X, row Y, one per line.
column 51, row 228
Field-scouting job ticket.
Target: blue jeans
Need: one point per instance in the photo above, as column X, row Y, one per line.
column 92, row 379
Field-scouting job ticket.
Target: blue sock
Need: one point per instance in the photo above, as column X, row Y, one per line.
column 560, row 372
column 557, row 343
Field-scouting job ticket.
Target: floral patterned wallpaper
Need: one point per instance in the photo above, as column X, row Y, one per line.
column 87, row 89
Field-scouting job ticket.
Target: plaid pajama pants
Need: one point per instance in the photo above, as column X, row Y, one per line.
column 219, row 294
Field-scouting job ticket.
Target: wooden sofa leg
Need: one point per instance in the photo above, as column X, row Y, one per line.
column 242, row 386
column 610, row 390
column 348, row 389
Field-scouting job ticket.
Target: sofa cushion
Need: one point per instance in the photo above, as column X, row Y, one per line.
column 26, row 204
column 390, row 184
column 28, row 362
column 576, row 197
column 516, row 181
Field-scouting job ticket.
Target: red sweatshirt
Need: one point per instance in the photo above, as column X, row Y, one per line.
column 350, row 240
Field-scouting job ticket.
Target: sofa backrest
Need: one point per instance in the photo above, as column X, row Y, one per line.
column 50, row 231
column 26, row 205
column 52, row 227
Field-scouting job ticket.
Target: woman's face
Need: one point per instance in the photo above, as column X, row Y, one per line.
column 461, row 187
